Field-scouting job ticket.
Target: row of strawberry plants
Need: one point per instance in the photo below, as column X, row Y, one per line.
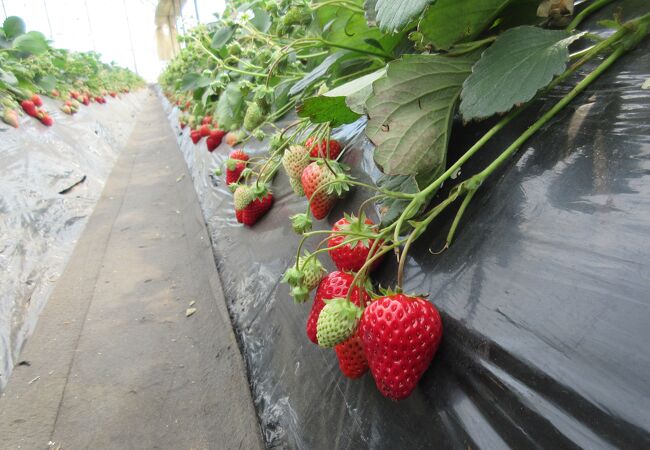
column 30, row 67
column 409, row 67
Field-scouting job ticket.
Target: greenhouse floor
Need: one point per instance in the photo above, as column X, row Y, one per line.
column 119, row 358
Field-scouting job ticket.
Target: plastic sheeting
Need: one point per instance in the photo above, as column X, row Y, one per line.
column 50, row 180
column 545, row 294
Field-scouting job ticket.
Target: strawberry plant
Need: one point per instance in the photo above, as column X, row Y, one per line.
column 405, row 70
column 31, row 67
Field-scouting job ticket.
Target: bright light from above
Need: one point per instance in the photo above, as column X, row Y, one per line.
column 98, row 25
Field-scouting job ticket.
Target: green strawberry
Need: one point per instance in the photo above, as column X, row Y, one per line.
column 294, row 160
column 253, row 117
column 296, row 185
column 243, row 196
column 337, row 322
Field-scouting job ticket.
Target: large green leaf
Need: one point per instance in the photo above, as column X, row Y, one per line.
column 222, row 36
column 323, row 109
column 33, row 43
column 357, row 91
column 519, row 63
column 447, row 22
column 343, row 104
column 8, row 78
column 262, row 20
column 47, row 83
column 230, row 107
column 392, row 15
column 345, row 27
column 13, row 27
column 317, row 73
column 411, row 111
column 192, row 81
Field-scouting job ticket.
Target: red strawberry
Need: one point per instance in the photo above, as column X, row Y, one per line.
column 352, row 359
column 214, row 139
column 85, row 100
column 206, row 120
column 322, row 199
column 112, row 94
column 352, row 256
column 55, row 93
column 204, row 130
column 251, row 204
column 196, row 136
column 239, row 154
column 400, row 335
column 321, row 151
column 234, row 169
column 256, row 209
column 37, row 100
column 183, row 125
column 334, row 285
column 29, row 107
column 235, row 166
column 46, row 120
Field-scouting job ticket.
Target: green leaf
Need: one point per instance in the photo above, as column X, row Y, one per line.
column 33, row 43
column 342, row 26
column 230, row 107
column 392, row 15
column 262, row 20
column 222, row 36
column 324, row 109
column 13, row 27
column 411, row 111
column 520, row 62
column 447, row 22
column 317, row 73
column 391, row 208
column 8, row 78
column 357, row 91
column 192, row 81
column 47, row 83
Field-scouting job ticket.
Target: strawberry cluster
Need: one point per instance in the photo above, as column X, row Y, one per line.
column 394, row 335
column 314, row 172
column 33, row 108
column 208, row 129
column 32, row 105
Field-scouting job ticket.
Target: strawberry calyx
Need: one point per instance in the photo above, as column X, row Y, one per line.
column 301, row 223
column 260, row 191
column 355, row 226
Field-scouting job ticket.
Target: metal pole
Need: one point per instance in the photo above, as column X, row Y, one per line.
column 196, row 10
column 49, row 24
column 90, row 27
column 4, row 9
column 128, row 27
column 178, row 13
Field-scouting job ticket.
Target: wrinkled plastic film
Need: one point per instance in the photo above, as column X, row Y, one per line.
column 50, row 180
column 545, row 294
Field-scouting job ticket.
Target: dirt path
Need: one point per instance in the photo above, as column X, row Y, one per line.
column 114, row 362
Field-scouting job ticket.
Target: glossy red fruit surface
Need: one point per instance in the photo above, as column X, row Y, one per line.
column 400, row 336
